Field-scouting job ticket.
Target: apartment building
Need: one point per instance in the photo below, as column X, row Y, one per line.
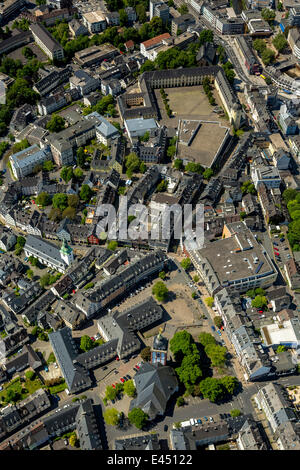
column 24, row 162
column 268, row 175
column 272, row 399
column 94, row 55
column 94, row 21
column 246, row 52
column 84, row 82
column 181, row 24
column 47, row 43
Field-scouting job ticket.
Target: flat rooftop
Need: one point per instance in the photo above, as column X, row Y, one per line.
column 230, row 262
column 275, row 335
column 207, row 140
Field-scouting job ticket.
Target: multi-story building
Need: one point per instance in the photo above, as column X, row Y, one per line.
column 131, row 14
column 236, row 262
column 117, row 285
column 245, row 50
column 9, row 7
column 148, row 45
column 268, row 175
column 294, row 16
column 105, row 131
column 221, row 22
column 64, row 143
column 160, row 9
column 48, row 44
column 294, row 41
column 52, row 80
column 50, row 104
column 95, row 55
column 181, row 24
column 24, row 162
column 94, row 21
column 273, row 401
column 84, row 82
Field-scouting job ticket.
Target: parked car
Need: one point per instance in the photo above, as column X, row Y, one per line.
column 199, row 421
column 128, row 377
column 282, row 240
column 66, row 442
column 113, row 386
column 113, row 401
column 211, row 419
column 205, row 418
column 97, row 336
column 92, row 338
column 213, row 328
column 274, row 243
column 46, row 369
column 219, row 332
column 137, row 366
column 117, row 358
column 122, row 380
column 165, row 428
column 104, row 367
column 135, row 369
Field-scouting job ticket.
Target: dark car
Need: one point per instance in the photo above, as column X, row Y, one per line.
column 165, row 428
column 128, row 377
column 135, row 369
column 104, row 368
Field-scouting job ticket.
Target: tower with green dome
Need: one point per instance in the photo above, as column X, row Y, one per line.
column 66, row 253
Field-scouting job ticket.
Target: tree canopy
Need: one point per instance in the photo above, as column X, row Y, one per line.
column 111, row 417
column 56, row 123
column 137, row 417
column 160, row 291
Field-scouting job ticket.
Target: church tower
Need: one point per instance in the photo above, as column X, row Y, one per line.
column 66, row 253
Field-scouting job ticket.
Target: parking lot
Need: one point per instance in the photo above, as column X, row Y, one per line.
column 281, row 250
column 120, row 370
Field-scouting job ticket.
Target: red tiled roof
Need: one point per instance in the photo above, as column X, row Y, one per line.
column 156, row 40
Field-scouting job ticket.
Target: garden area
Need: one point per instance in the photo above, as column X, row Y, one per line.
column 19, row 389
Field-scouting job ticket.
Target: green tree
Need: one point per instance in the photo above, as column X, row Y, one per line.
column 111, row 417
column 30, row 374
column 56, row 123
column 183, row 9
column 196, row 278
column 260, row 301
column 162, row 186
column 81, row 157
column 48, row 165
column 73, row 441
column 180, row 401
column 217, row 354
column 178, row 164
column 43, row 199
column 45, row 280
column 66, row 173
column 268, row 15
column 212, row 389
column 160, row 291
column 209, row 301
column 229, row 383
column 280, row 42
column 78, row 173
column 181, row 344
column 146, row 354
column 73, row 200
column 132, row 162
column 162, row 275
column 129, row 388
column 112, row 245
column 218, row 321
column 69, row 213
column 235, row 413
column 110, row 393
column 60, row 201
column 189, row 371
column 29, row 273
column 86, row 343
column 85, row 193
column 137, row 417
column 268, row 56
column 186, row 263
column 206, row 339
column 55, row 214
column 208, row 173
column 259, row 45
column 281, row 348
column 21, row 241
column 289, row 195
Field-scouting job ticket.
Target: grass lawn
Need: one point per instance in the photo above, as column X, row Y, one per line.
column 57, row 388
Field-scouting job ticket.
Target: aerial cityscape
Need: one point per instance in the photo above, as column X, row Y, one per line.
column 149, row 225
